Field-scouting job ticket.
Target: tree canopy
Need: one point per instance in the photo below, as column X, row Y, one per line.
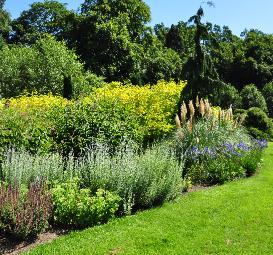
column 113, row 39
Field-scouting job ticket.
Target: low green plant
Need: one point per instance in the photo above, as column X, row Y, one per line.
column 77, row 208
column 250, row 161
column 216, row 171
column 213, row 221
column 141, row 178
column 22, row 168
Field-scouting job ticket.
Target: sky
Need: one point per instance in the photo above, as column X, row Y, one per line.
column 237, row 14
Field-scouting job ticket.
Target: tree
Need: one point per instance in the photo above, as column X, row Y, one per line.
column 39, row 68
column 268, row 95
column 67, row 88
column 109, row 36
column 161, row 32
column 180, row 38
column 199, row 71
column 106, row 48
column 2, row 3
column 50, row 17
column 244, row 60
column 158, row 63
column 137, row 11
column 4, row 23
column 174, row 39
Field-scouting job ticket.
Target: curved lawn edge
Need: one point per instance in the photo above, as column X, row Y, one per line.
column 236, row 218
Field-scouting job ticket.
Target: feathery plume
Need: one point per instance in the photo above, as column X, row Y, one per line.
column 184, row 112
column 192, row 110
column 197, row 102
column 202, row 107
column 177, row 122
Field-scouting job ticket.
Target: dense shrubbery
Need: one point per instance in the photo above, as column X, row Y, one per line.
column 79, row 162
column 42, row 68
column 258, row 123
column 229, row 95
column 215, row 146
column 89, row 182
column 47, row 123
column 140, row 179
column 214, row 165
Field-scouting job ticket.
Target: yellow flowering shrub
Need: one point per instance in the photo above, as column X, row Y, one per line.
column 27, row 120
column 152, row 107
column 112, row 113
column 35, row 102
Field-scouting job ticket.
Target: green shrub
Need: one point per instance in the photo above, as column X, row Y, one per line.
column 213, row 165
column 250, row 161
column 24, row 214
column 41, row 68
column 229, row 95
column 252, row 97
column 238, row 112
column 268, row 95
column 23, row 168
column 258, row 134
column 215, row 171
column 75, row 207
column 212, row 143
column 257, row 118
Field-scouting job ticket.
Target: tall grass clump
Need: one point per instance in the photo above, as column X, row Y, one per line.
column 215, row 145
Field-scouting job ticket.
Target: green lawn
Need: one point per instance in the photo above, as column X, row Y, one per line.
column 236, row 218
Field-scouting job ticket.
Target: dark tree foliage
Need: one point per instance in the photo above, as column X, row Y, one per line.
column 2, row 3
column 268, row 95
column 199, row 71
column 174, row 39
column 68, row 88
column 245, row 60
column 161, row 32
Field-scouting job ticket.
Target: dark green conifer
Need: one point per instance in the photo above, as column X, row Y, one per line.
column 68, row 88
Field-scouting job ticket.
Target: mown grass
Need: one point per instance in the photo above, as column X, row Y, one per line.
column 236, row 218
